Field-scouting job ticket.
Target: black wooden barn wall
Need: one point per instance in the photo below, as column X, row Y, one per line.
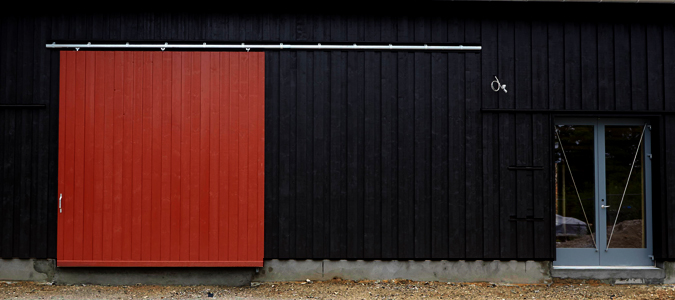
column 374, row 155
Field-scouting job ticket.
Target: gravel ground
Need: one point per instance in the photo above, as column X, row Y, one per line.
column 344, row 289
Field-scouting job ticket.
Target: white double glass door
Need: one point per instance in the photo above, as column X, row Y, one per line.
column 603, row 192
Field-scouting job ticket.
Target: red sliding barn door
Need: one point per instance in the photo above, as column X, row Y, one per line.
column 161, row 159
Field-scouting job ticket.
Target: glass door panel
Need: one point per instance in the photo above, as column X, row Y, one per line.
column 625, row 175
column 575, row 186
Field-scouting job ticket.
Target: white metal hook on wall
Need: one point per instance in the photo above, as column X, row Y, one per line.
column 499, row 85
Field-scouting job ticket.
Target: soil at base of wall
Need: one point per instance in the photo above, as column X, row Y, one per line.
column 345, row 289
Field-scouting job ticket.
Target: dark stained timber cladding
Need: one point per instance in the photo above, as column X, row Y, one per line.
column 371, row 154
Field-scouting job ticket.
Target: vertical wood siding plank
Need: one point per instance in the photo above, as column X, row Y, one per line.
column 439, row 158
column 490, row 147
column 137, row 153
column 507, row 193
column 457, row 149
column 539, row 65
column 109, row 68
column 338, row 155
column 389, row 144
column 118, row 127
column 287, row 95
column 253, row 164
column 638, row 67
column 234, row 156
column 669, row 65
column 8, row 77
column 655, row 83
column 289, row 152
column 321, row 151
column 25, row 195
column 127, row 154
column 523, row 90
column 543, row 241
column 214, row 163
column 53, row 148
column 524, row 186
column 261, row 157
column 98, row 163
column 622, row 67
column 195, row 94
column 243, row 168
column 406, row 148
column 422, row 153
column 354, row 250
column 506, row 134
column 506, row 50
column 605, row 67
column 572, row 46
column 474, row 196
column 360, row 136
column 225, row 237
column 302, row 193
column 272, row 155
column 373, row 164
column 556, row 69
column 165, row 202
column 204, row 162
column 186, row 76
column 146, row 173
column 176, row 126
column 68, row 96
column 589, row 66
column 541, row 146
column 90, row 75
column 250, row 126
column 78, row 192
column 156, row 157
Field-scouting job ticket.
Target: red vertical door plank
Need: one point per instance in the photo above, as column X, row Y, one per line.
column 235, row 112
column 137, row 158
column 146, row 171
column 175, row 154
column 195, row 84
column 156, row 153
column 261, row 157
column 223, row 230
column 78, row 217
column 255, row 161
column 186, row 61
column 87, row 239
column 249, row 125
column 109, row 87
column 118, row 131
column 127, row 156
column 205, row 64
column 166, row 158
column 214, row 163
column 68, row 202
column 99, row 124
column 62, row 152
column 253, row 158
column 243, row 131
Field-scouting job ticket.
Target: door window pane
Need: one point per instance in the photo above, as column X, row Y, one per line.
column 621, row 145
column 574, row 158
